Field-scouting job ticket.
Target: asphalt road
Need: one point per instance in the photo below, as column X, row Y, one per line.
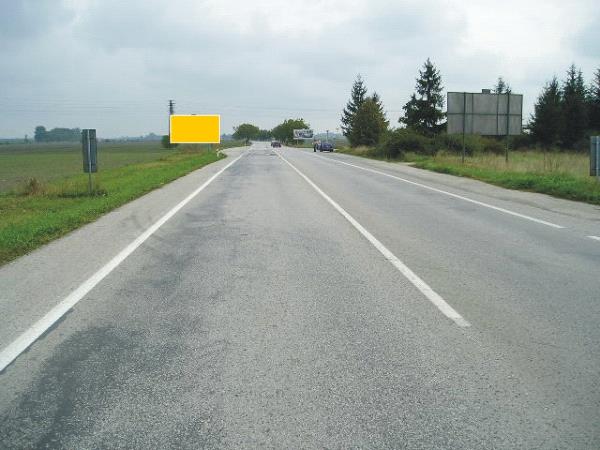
column 300, row 300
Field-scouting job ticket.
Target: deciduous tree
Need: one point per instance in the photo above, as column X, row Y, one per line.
column 285, row 130
column 246, row 131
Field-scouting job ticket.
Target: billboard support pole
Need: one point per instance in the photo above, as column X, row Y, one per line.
column 598, row 158
column 464, row 125
column 595, row 156
column 507, row 125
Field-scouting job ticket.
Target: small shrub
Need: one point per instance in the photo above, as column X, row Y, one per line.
column 33, row 186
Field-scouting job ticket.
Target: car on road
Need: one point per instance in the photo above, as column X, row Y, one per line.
column 275, row 144
column 325, row 147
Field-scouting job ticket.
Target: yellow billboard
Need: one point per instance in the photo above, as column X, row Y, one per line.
column 195, row 129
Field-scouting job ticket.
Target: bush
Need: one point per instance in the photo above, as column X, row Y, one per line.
column 474, row 144
column 494, row 145
column 453, row 143
column 397, row 142
column 166, row 142
column 522, row 141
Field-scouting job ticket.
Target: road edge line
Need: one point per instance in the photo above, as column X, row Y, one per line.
column 441, row 191
column 11, row 352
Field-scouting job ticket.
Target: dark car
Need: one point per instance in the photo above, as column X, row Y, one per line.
column 325, row 147
column 275, row 144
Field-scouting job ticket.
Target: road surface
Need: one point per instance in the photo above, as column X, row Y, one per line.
column 303, row 300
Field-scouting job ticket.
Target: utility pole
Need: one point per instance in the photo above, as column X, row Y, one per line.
column 171, row 112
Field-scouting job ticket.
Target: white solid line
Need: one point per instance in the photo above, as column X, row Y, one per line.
column 424, row 186
column 28, row 337
column 596, row 238
column 425, row 289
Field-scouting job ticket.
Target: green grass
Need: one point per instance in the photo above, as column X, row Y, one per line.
column 560, row 174
column 362, row 151
column 49, row 162
column 57, row 207
column 564, row 175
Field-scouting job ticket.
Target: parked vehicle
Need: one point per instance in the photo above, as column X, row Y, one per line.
column 325, row 147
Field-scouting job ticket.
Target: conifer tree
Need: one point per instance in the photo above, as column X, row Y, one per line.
column 368, row 124
column 594, row 103
column 424, row 113
column 502, row 87
column 357, row 98
column 574, row 108
column 545, row 124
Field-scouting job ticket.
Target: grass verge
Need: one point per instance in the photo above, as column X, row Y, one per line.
column 562, row 175
column 29, row 220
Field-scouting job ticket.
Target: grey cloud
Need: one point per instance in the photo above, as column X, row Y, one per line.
column 587, row 41
column 115, row 63
column 24, row 19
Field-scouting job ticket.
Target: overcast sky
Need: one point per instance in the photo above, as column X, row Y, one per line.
column 113, row 64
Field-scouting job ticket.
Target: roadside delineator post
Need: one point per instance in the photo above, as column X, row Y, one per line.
column 90, row 154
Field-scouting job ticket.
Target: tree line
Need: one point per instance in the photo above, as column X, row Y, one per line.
column 56, row 134
column 565, row 114
column 283, row 132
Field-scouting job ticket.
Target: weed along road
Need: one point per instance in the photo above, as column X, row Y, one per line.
column 289, row 299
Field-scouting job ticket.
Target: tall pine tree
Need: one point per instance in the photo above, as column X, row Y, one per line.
column 545, row 124
column 502, row 87
column 368, row 124
column 357, row 98
column 375, row 97
column 574, row 108
column 594, row 103
column 424, row 113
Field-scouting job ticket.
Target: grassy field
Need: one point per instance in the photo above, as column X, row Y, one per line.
column 30, row 218
column 560, row 174
column 49, row 162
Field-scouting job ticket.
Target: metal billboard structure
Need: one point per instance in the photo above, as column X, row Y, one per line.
column 304, row 133
column 485, row 113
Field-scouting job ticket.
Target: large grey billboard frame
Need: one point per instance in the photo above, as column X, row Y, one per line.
column 485, row 113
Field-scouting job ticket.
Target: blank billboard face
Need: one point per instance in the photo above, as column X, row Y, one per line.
column 485, row 114
column 195, row 129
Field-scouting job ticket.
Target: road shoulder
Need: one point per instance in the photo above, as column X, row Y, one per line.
column 33, row 284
